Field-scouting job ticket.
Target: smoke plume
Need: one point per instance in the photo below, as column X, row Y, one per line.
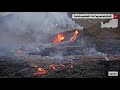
column 30, row 29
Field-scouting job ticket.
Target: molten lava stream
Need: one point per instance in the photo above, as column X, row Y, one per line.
column 74, row 35
column 60, row 37
column 53, row 67
column 40, row 71
column 62, row 65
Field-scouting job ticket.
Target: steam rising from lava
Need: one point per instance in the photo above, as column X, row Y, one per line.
column 31, row 29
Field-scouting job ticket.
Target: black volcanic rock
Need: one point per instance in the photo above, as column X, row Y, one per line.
column 10, row 66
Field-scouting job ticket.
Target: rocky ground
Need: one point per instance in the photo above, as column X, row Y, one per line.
column 77, row 61
column 87, row 67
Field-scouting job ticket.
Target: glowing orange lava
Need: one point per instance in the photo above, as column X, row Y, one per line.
column 52, row 67
column 60, row 37
column 74, row 35
column 40, row 71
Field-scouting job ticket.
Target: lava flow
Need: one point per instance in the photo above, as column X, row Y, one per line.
column 40, row 71
column 60, row 37
column 53, row 67
column 62, row 65
column 74, row 35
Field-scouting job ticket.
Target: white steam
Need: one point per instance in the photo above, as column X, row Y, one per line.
column 31, row 28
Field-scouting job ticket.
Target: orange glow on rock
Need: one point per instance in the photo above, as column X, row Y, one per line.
column 74, row 35
column 59, row 37
column 62, row 65
column 40, row 71
column 53, row 67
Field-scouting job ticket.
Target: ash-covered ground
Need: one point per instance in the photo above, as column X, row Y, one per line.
column 79, row 67
column 92, row 54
